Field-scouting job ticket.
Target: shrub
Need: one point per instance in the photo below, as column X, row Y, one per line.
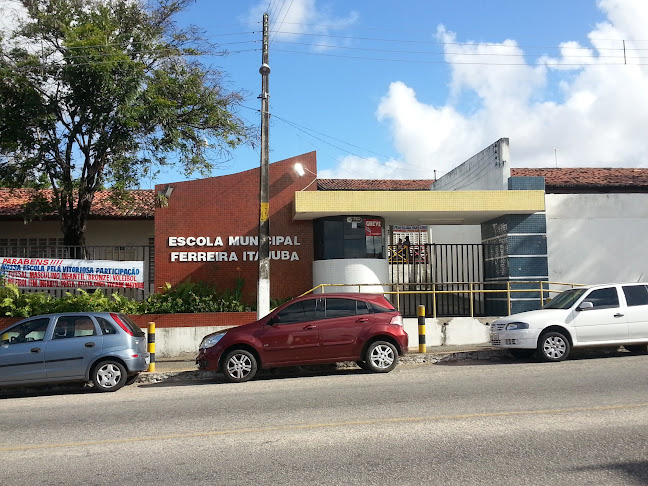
column 187, row 297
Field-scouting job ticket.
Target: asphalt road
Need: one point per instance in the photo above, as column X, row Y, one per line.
column 583, row 421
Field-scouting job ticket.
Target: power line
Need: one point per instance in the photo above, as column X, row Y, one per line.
column 444, row 61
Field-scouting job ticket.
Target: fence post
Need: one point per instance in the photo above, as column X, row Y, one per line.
column 151, row 345
column 421, row 328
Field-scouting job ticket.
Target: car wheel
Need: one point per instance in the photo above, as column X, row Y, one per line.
column 522, row 353
column 132, row 379
column 553, row 346
column 109, row 376
column 239, row 366
column 381, row 357
column 637, row 348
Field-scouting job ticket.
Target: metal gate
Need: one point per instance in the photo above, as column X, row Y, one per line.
column 448, row 269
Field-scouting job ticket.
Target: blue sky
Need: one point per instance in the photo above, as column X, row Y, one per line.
column 384, row 89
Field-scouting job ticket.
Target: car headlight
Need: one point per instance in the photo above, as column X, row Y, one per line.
column 210, row 341
column 512, row 326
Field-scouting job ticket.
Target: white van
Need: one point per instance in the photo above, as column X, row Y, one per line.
column 596, row 315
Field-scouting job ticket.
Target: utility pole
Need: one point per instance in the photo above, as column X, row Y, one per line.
column 263, row 288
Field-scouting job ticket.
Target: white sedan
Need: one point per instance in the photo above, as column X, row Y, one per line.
column 597, row 315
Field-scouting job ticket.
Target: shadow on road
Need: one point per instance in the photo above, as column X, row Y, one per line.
column 502, row 357
column 636, row 472
column 189, row 378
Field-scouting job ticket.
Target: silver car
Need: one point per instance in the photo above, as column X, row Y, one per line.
column 105, row 348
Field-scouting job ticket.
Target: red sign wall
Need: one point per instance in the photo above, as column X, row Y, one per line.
column 208, row 231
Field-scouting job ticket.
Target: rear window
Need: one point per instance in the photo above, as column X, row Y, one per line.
column 387, row 307
column 131, row 325
column 636, row 295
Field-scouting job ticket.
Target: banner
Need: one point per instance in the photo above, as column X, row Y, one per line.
column 53, row 273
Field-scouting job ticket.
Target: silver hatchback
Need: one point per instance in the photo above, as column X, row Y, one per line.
column 105, row 348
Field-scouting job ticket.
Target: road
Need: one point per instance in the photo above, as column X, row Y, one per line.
column 583, row 421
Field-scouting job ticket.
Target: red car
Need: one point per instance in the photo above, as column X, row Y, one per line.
column 313, row 329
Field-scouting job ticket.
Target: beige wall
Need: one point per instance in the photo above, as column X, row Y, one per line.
column 98, row 233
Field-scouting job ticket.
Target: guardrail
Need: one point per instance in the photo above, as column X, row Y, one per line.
column 543, row 288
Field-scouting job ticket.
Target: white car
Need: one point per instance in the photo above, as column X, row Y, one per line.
column 596, row 315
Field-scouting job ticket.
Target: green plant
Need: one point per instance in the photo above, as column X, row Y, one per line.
column 187, row 297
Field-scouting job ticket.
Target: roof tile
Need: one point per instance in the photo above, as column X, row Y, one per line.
column 142, row 206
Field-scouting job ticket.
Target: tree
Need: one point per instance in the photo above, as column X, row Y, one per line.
column 100, row 93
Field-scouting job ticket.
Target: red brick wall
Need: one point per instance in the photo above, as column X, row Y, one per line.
column 229, row 206
column 175, row 320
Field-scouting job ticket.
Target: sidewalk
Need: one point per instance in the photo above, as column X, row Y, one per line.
column 186, row 362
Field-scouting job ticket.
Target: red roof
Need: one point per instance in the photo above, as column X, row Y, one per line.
column 374, row 184
column 142, row 206
column 584, row 178
column 556, row 179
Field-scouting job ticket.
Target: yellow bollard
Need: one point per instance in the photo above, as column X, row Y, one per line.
column 420, row 312
column 151, row 345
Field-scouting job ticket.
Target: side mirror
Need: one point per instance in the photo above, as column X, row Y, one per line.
column 585, row 306
column 273, row 320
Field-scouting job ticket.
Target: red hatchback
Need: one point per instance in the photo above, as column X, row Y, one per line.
column 313, row 329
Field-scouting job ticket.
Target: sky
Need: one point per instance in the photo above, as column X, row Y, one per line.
column 409, row 90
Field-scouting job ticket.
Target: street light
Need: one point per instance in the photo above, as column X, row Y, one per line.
column 301, row 171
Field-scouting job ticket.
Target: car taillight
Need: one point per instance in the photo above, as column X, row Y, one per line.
column 397, row 320
column 121, row 324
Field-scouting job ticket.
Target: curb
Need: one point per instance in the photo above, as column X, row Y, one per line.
column 408, row 360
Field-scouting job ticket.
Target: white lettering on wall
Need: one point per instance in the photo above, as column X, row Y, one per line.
column 233, row 241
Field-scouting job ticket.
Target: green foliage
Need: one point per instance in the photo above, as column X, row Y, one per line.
column 187, row 297
column 114, row 91
column 190, row 297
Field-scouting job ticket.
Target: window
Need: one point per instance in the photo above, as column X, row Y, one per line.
column 340, row 308
column 26, row 332
column 298, row 312
column 603, row 298
column 565, row 299
column 636, row 295
column 343, row 237
column 106, row 326
column 74, row 326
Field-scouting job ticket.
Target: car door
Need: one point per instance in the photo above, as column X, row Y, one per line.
column 636, row 297
column 345, row 321
column 21, row 352
column 605, row 321
column 72, row 346
column 292, row 335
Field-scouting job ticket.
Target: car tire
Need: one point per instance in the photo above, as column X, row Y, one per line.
column 239, row 366
column 637, row 348
column 109, row 376
column 362, row 364
column 553, row 346
column 132, row 379
column 381, row 357
column 522, row 353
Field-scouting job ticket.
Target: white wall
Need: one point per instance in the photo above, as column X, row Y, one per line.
column 98, row 233
column 352, row 271
column 450, row 331
column 455, row 234
column 487, row 170
column 597, row 238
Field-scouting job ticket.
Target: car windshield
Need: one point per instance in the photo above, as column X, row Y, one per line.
column 565, row 299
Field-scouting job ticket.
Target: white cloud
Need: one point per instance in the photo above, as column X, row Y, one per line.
column 594, row 114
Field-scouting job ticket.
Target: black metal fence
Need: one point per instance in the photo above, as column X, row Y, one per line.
column 448, row 269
